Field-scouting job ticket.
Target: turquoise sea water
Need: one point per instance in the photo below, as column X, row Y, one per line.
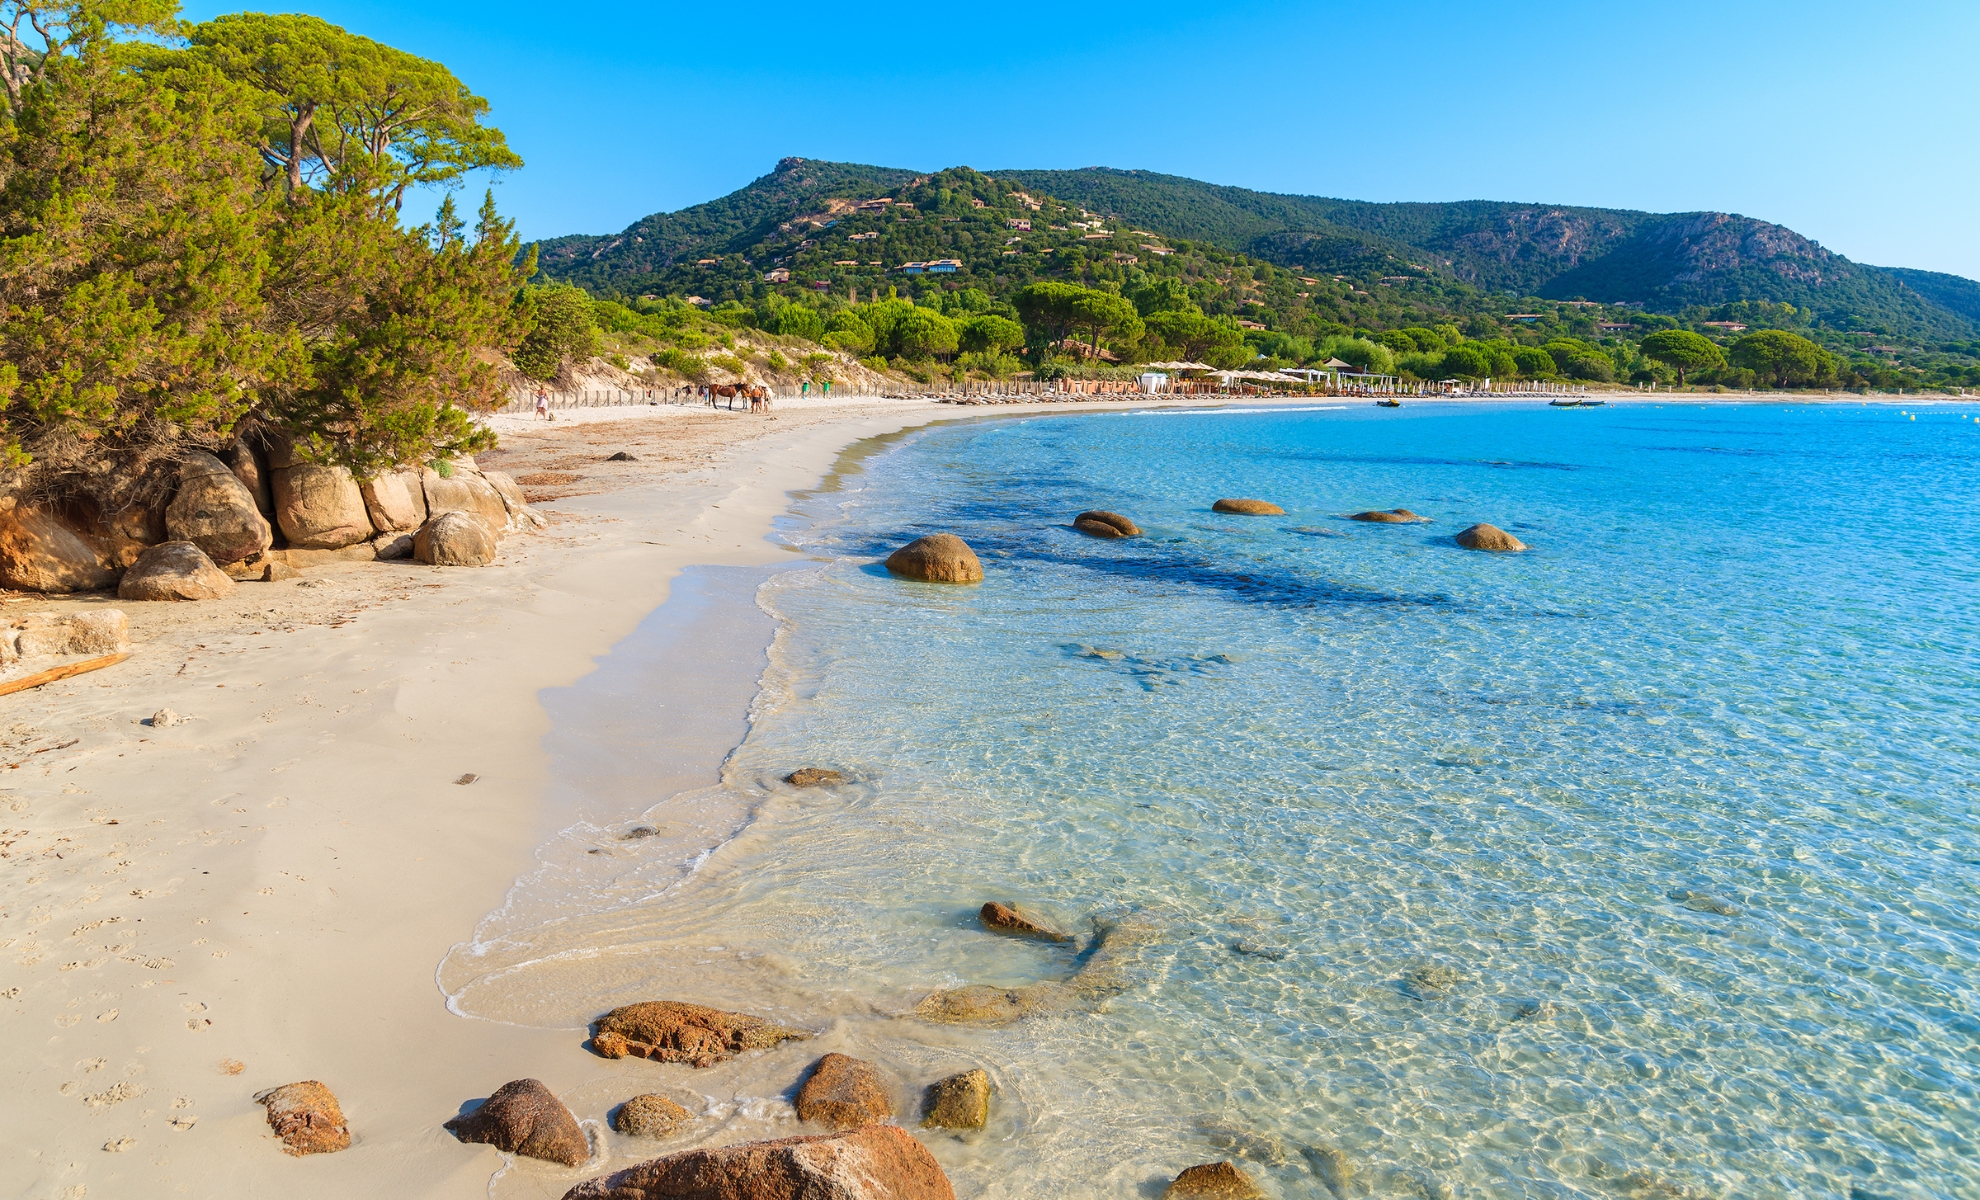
column 1641, row 864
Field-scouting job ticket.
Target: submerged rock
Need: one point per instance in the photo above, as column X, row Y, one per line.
column 806, row 777
column 873, row 1162
column 1261, row 950
column 1104, row 973
column 1430, row 981
column 306, row 1117
column 1393, row 516
column 524, row 1117
column 1002, row 918
column 843, row 1092
column 958, row 1102
column 649, row 1116
column 1221, row 1180
column 670, row 1031
column 1705, row 902
column 1101, row 524
column 937, row 558
column 1252, row 508
column 1488, row 537
column 637, row 832
column 174, row 571
column 1333, row 1168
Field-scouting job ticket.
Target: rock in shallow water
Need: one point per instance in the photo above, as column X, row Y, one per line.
column 670, row 1031
column 1430, row 981
column 1250, row 508
column 958, row 1102
column 843, row 1092
column 1221, row 1180
column 649, row 1116
column 306, row 1117
column 1102, row 524
column 1104, row 973
column 1488, row 537
column 1002, row 918
column 805, row 777
column 524, row 1117
column 874, row 1162
column 937, row 558
column 1393, row 516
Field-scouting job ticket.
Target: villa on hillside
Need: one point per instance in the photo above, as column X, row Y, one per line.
column 1728, row 326
column 941, row 266
column 1019, row 223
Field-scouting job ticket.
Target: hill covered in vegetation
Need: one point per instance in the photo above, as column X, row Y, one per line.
column 1235, row 278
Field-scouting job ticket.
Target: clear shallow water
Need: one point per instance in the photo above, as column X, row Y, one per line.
column 1642, row 864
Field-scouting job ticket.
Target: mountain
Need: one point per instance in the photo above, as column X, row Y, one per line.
column 1955, row 292
column 1664, row 262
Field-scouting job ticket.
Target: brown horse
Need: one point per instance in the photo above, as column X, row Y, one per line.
column 728, row 390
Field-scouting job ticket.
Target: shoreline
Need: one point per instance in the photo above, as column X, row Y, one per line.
column 276, row 882
column 263, row 893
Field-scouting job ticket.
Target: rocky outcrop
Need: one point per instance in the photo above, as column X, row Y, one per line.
column 395, row 502
column 1392, row 516
column 465, row 491
column 1101, row 524
column 670, row 1031
column 1221, row 1180
column 320, row 508
column 510, row 491
column 215, row 511
column 1002, row 918
column 1250, row 508
column 250, row 466
column 807, row 777
column 874, row 1162
column 1103, row 974
column 454, row 539
column 174, row 571
column 1488, row 537
column 306, row 1117
column 302, row 560
column 958, row 1102
column 524, row 1117
column 843, row 1092
column 391, row 546
column 649, row 1116
column 937, row 558
column 40, row 552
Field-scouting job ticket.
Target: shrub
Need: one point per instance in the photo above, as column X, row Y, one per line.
column 728, row 362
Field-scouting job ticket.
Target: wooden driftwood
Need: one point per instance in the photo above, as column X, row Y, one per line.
column 66, row 671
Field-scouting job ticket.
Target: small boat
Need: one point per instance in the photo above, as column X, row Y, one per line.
column 1388, row 404
column 1594, row 403
column 1565, row 402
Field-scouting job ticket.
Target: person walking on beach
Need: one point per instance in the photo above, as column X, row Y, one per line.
column 542, row 405
column 804, row 389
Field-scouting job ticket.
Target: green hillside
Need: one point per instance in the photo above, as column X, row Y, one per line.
column 1954, row 292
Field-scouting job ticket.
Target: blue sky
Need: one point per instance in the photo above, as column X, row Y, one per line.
column 1856, row 124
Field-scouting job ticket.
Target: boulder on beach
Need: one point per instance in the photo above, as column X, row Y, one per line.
column 1488, row 537
column 958, row 1102
column 873, row 1162
column 1102, row 524
column 1392, row 516
column 843, row 1092
column 250, row 466
column 509, row 490
column 174, row 571
column 392, row 546
column 937, row 558
column 274, row 571
column 649, row 1116
column 670, row 1031
column 806, row 777
column 1003, row 918
column 320, row 508
column 40, row 552
column 1221, row 1180
column 46, row 635
column 465, row 491
column 215, row 511
column 524, row 1117
column 454, row 539
column 1250, row 508
column 623, row 456
column 306, row 1117
column 396, row 502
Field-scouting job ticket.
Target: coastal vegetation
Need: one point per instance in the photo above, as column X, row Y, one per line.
column 201, row 239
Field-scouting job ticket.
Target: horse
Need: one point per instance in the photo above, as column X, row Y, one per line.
column 729, row 390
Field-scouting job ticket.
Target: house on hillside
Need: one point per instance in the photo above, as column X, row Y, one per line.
column 913, row 268
column 706, row 262
column 821, row 285
column 1728, row 326
column 1018, row 223
column 1244, row 324
column 1611, row 326
column 945, row 266
column 780, row 275
column 880, row 204
column 975, row 203
column 868, row 236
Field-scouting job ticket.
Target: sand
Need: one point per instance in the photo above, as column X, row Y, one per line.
column 261, row 893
